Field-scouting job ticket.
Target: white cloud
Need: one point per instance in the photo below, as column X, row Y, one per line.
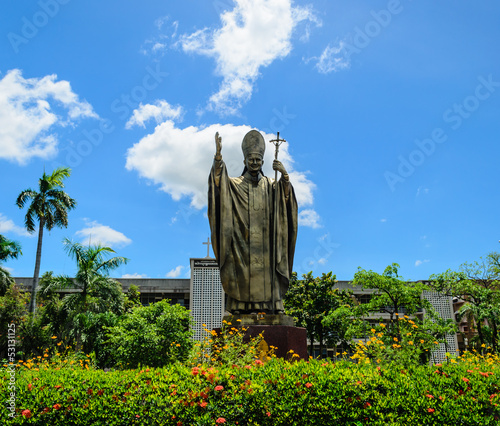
column 420, row 262
column 161, row 110
column 309, row 218
column 134, row 275
column 8, row 225
column 323, row 261
column 383, row 220
column 9, row 270
column 95, row 233
column 174, row 273
column 332, row 59
column 252, row 36
column 179, row 160
column 30, row 109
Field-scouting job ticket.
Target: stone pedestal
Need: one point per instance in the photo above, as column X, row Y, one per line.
column 278, row 331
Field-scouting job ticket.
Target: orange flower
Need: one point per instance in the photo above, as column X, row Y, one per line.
column 430, row 410
column 219, row 388
column 308, row 385
column 56, row 406
column 465, row 379
column 203, row 404
column 220, row 420
column 26, row 413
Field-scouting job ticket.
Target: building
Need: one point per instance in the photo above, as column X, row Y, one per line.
column 207, row 301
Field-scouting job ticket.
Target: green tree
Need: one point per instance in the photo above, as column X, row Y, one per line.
column 8, row 250
column 49, row 208
column 478, row 284
column 12, row 311
column 98, row 291
column 309, row 302
column 153, row 335
column 132, row 298
column 393, row 295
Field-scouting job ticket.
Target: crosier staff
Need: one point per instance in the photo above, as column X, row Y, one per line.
column 276, row 142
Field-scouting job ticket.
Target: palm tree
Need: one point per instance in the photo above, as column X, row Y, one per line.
column 99, row 292
column 49, row 207
column 8, row 249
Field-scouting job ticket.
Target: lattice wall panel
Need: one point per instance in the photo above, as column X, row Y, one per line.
column 207, row 296
column 444, row 307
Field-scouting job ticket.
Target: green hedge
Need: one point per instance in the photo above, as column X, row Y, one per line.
column 275, row 393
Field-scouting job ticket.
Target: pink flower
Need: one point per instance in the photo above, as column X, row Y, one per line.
column 29, row 388
column 430, row 410
column 465, row 379
column 26, row 413
column 258, row 362
column 219, row 388
column 195, row 371
column 308, row 385
column 429, row 396
column 268, row 414
column 220, row 420
column 203, row 404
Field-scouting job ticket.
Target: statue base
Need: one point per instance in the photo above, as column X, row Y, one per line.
column 259, row 319
column 290, row 342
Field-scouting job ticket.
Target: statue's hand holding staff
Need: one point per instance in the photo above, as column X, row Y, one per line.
column 278, row 166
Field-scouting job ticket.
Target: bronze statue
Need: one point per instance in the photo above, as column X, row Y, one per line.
column 254, row 270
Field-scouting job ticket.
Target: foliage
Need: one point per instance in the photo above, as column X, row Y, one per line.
column 92, row 334
column 49, row 207
column 99, row 292
column 12, row 309
column 478, row 284
column 229, row 346
column 153, row 335
column 309, row 301
column 132, row 298
column 275, row 393
column 9, row 249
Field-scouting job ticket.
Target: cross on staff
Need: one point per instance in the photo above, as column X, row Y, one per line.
column 276, row 142
column 208, row 246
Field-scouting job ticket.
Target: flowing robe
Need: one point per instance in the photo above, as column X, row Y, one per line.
column 241, row 216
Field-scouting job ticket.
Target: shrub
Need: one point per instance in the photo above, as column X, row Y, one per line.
column 273, row 393
column 153, row 335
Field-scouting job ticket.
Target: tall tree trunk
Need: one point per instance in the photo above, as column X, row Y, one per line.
column 36, row 274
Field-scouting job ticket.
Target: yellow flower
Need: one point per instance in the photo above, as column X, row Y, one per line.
column 395, row 339
column 54, row 337
column 410, row 342
column 178, row 345
column 436, row 343
column 422, row 341
column 373, row 330
column 382, row 325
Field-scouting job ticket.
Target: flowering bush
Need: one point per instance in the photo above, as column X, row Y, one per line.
column 260, row 393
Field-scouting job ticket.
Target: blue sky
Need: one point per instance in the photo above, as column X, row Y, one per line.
column 390, row 109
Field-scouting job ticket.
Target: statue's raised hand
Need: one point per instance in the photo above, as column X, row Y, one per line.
column 218, row 145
